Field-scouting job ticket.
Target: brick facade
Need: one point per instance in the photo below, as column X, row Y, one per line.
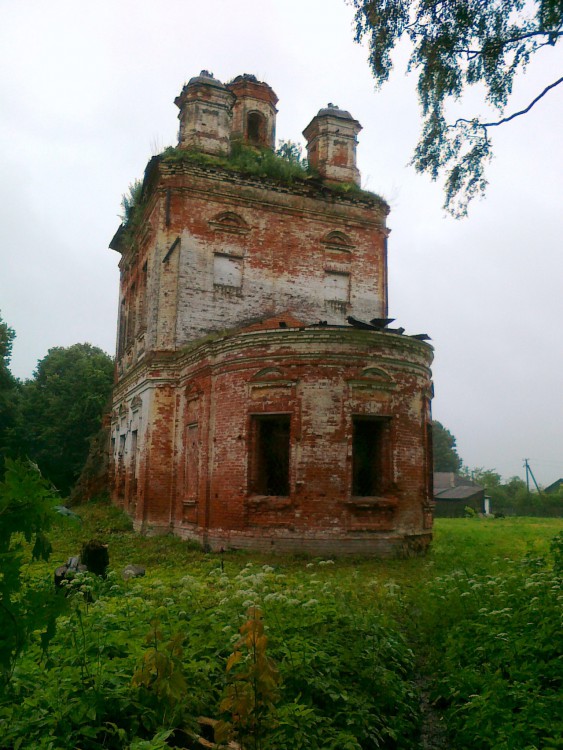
column 247, row 411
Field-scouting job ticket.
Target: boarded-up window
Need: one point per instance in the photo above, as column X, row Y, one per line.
column 120, row 479
column 131, row 315
column 134, row 453
column 337, row 286
column 142, row 319
column 192, row 461
column 227, row 271
column 122, row 328
column 270, row 459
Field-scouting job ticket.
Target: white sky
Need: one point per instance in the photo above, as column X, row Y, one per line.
column 86, row 97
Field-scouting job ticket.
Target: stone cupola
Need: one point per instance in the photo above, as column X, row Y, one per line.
column 205, row 115
column 331, row 144
column 254, row 111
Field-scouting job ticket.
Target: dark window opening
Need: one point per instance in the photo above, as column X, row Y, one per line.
column 271, row 455
column 256, row 129
column 370, row 440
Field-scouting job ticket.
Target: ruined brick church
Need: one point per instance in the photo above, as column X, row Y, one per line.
column 262, row 400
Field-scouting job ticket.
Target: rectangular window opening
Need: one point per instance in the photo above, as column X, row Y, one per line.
column 134, row 434
column 270, row 475
column 192, row 461
column 122, row 329
column 131, row 316
column 369, row 447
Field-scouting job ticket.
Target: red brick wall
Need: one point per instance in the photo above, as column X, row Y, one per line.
column 317, row 376
column 207, row 358
column 283, row 246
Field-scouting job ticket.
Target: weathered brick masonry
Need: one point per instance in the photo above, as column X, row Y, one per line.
column 247, row 411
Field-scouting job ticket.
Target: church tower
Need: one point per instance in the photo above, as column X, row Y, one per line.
column 262, row 399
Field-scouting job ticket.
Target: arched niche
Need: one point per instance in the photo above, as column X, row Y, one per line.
column 338, row 241
column 268, row 374
column 230, row 222
column 376, row 373
column 372, row 379
column 338, row 249
column 256, row 129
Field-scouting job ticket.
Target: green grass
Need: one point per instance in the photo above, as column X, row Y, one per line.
column 265, row 163
column 352, row 641
column 464, row 543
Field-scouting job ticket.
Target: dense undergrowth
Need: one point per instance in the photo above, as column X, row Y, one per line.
column 295, row 653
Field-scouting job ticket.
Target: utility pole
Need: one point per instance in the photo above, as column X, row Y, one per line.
column 530, row 473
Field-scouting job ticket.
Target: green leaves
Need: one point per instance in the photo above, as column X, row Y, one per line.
column 9, row 388
column 161, row 668
column 26, row 512
column 252, row 690
column 445, row 453
column 131, row 200
column 338, row 669
column 285, row 166
column 61, row 409
column 499, row 670
column 455, row 45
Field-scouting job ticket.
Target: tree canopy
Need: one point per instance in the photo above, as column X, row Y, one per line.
column 457, row 44
column 446, row 457
column 61, row 410
column 8, row 386
column 26, row 510
column 7, row 336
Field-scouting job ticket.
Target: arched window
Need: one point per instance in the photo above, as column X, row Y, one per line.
column 256, row 129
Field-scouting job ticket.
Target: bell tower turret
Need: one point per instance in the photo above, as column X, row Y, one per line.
column 331, row 144
column 254, row 111
column 205, row 115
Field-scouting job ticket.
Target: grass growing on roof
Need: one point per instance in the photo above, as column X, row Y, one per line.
column 265, row 163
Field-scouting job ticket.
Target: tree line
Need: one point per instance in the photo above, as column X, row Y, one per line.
column 51, row 417
column 511, row 496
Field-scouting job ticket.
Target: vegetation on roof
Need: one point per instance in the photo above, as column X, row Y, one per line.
column 131, row 212
column 130, row 200
column 284, row 166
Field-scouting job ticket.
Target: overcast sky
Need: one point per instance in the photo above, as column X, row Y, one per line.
column 87, row 96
